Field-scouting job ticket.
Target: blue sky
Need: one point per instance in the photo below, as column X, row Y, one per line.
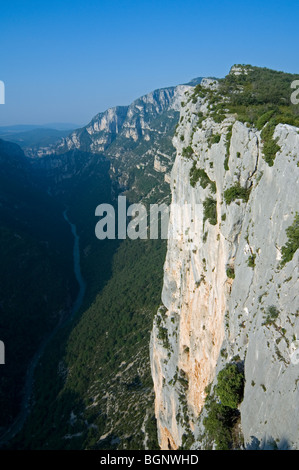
column 65, row 61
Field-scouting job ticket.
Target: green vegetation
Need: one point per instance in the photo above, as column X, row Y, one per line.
column 222, row 421
column 259, row 97
column 259, row 91
column 187, row 440
column 187, row 152
column 198, row 92
column 263, row 100
column 292, row 245
column 271, row 315
column 162, row 333
column 224, row 353
column 151, row 432
column 236, row 192
column 230, row 272
column 251, row 261
column 214, row 139
column 230, row 385
column 218, row 424
column 199, row 174
column 200, row 120
column 183, row 380
column 226, row 167
column 227, row 147
column 163, row 336
column 113, row 332
column 270, row 147
column 210, row 210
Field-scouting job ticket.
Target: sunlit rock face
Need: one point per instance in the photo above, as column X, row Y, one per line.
column 209, row 316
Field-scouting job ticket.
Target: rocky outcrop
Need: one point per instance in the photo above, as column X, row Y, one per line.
column 129, row 122
column 222, row 274
column 135, row 140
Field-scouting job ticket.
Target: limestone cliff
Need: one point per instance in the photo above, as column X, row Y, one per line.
column 135, row 140
column 223, row 278
column 127, row 122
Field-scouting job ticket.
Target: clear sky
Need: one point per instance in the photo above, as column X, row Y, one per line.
column 66, row 60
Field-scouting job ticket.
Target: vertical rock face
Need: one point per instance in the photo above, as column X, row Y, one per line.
column 222, row 274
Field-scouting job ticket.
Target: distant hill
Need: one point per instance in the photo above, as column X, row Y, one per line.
column 34, row 138
column 59, row 126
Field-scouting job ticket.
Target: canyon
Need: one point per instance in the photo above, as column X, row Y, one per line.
column 192, row 345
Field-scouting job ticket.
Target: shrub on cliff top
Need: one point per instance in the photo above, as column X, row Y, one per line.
column 260, row 96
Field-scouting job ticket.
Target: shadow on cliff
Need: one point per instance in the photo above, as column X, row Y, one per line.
column 268, row 443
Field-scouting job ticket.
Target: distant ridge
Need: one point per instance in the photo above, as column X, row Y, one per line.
column 59, row 126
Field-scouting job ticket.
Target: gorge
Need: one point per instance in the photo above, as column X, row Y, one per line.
column 209, row 364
